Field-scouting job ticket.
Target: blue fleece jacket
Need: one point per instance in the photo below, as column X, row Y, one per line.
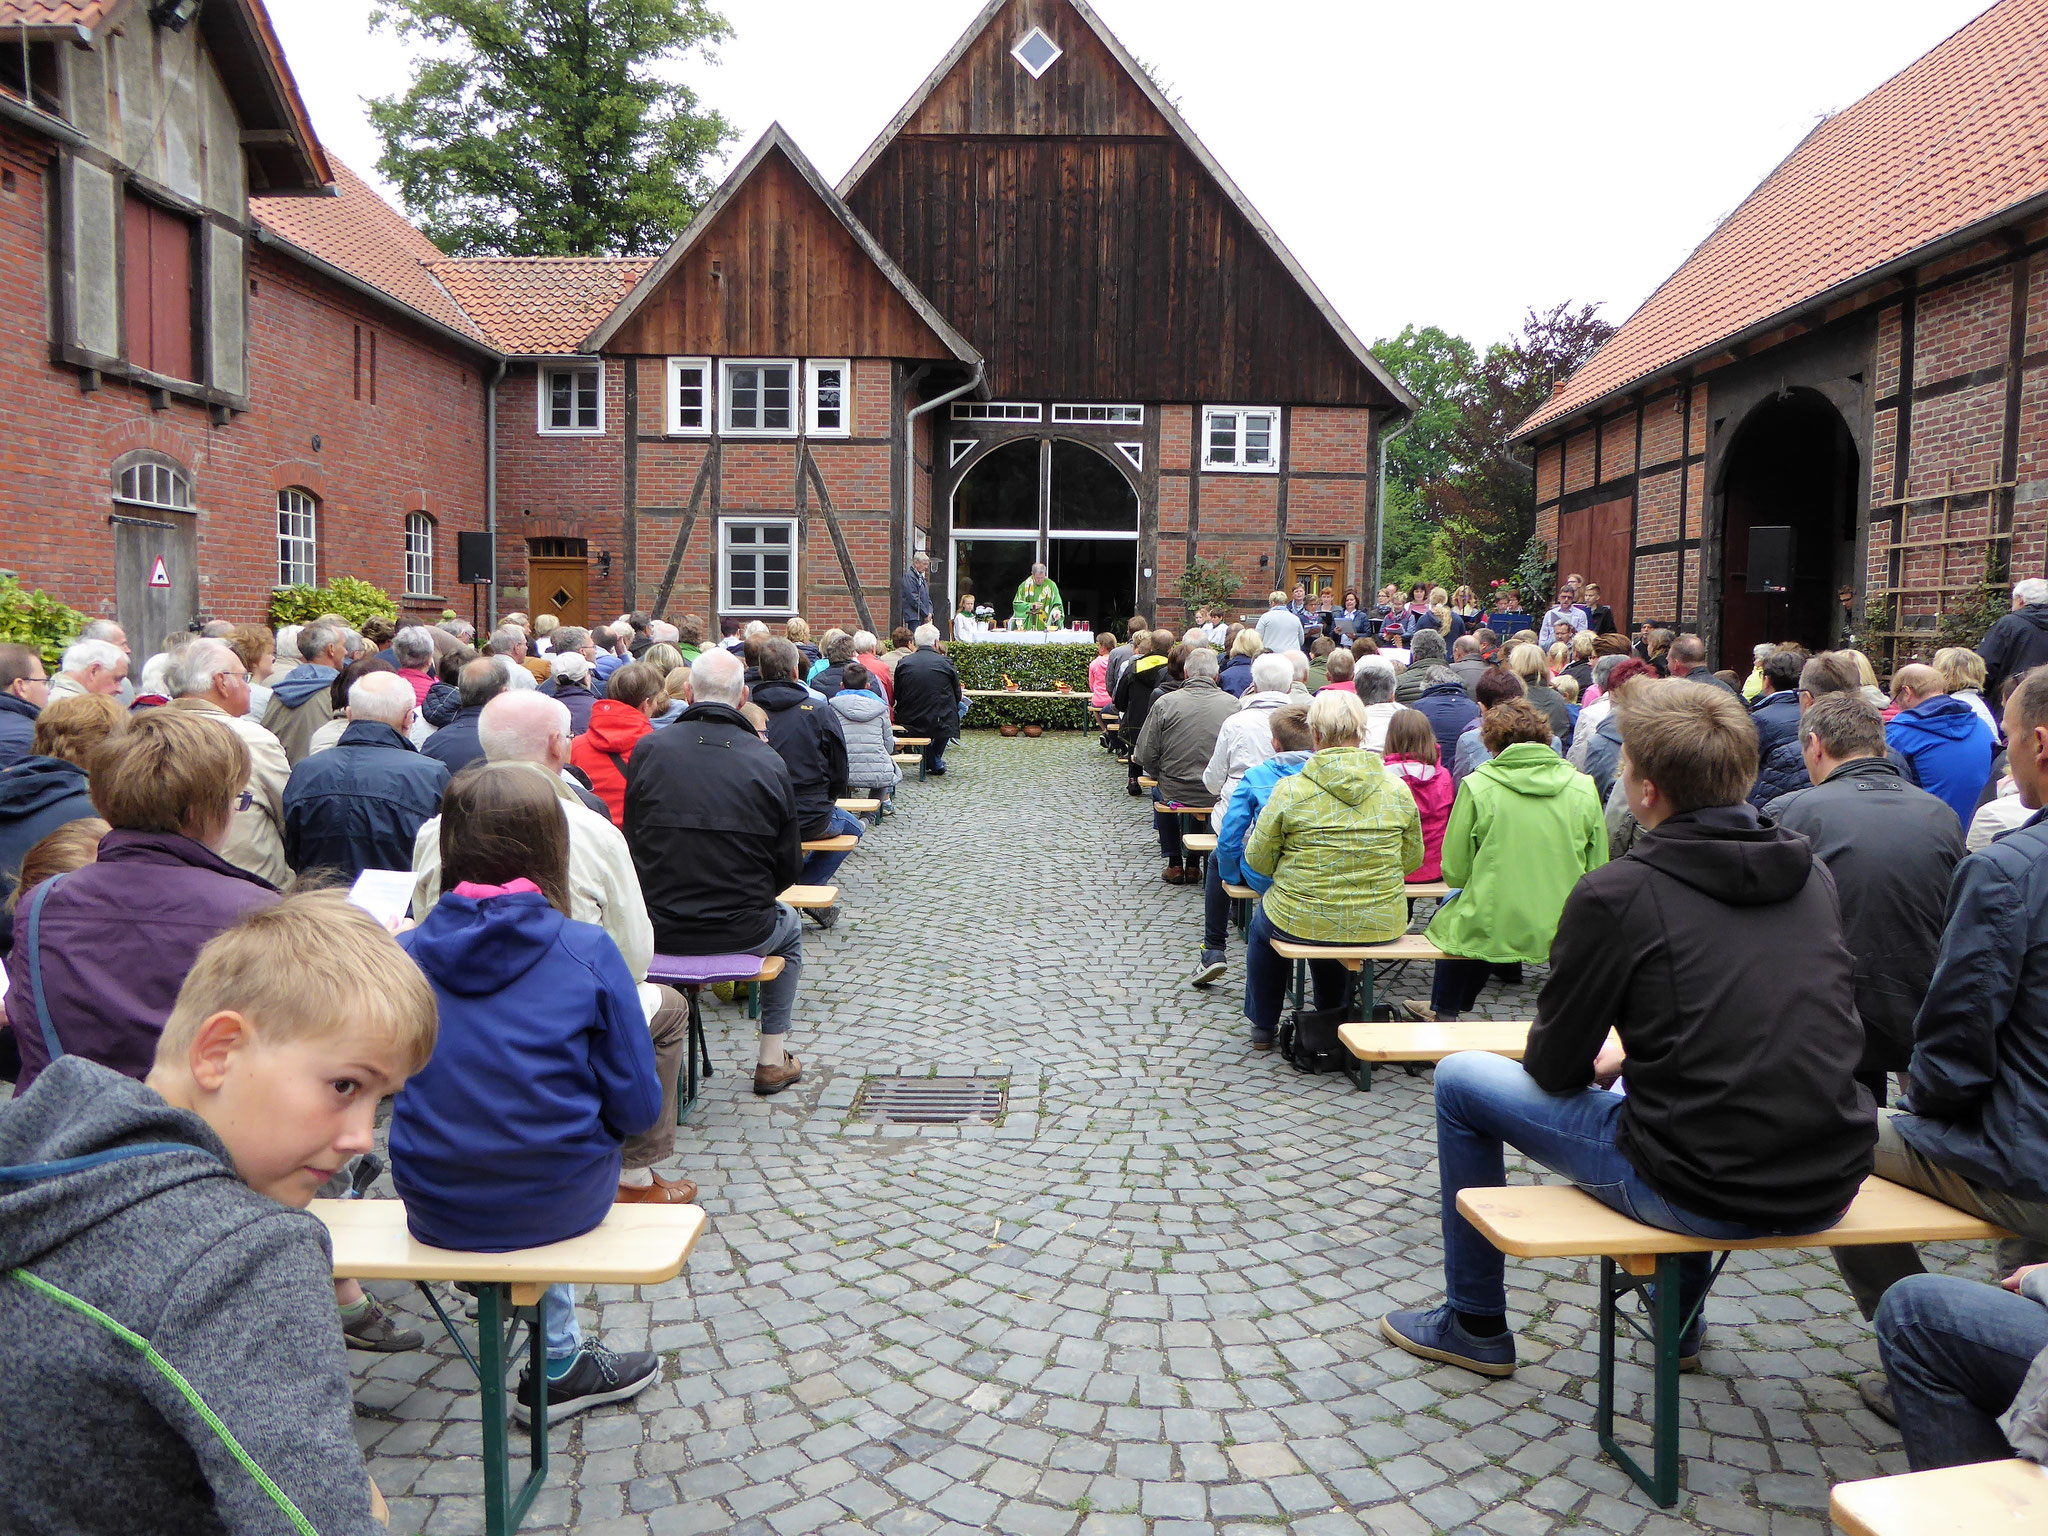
column 510, row 1136
column 302, row 682
column 1242, row 814
column 1950, row 750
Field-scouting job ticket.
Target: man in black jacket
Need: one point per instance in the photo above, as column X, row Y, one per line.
column 455, row 745
column 2017, row 643
column 1891, row 848
column 359, row 804
column 1973, row 1130
column 712, row 822
column 812, row 744
column 1742, row 1118
column 928, row 697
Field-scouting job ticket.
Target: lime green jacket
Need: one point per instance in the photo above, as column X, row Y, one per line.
column 1525, row 826
column 1338, row 840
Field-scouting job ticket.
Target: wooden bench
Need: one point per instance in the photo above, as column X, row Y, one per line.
column 1991, row 1498
column 1242, row 900
column 693, row 973
column 1407, row 1041
column 1435, row 890
column 845, row 842
column 633, row 1245
column 1360, row 959
column 808, row 898
column 1199, row 842
column 858, row 806
column 1146, row 783
column 1560, row 1221
column 911, row 759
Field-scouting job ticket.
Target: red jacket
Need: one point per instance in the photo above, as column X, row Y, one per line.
column 603, row 751
column 1434, row 790
column 883, row 675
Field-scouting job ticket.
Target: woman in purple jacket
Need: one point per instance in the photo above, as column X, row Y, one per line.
column 99, row 954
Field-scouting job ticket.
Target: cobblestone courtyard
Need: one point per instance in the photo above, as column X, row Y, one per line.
column 1143, row 1305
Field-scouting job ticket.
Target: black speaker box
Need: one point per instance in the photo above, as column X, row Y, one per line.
column 472, row 558
column 1770, row 559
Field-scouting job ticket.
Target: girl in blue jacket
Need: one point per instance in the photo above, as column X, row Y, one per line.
column 510, row 1137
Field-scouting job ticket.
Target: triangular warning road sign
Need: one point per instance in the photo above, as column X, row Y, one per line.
column 158, row 576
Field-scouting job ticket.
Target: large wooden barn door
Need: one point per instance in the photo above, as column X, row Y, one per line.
column 1593, row 542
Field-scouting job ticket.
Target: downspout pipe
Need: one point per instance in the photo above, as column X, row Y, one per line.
column 1379, row 510
column 491, row 478
column 973, row 383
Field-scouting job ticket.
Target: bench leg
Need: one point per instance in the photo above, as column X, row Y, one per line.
column 1666, row 1327
column 693, row 1048
column 502, row 1509
column 1360, row 1072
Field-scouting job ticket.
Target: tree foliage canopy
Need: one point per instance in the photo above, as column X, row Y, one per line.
column 1460, row 506
column 548, row 127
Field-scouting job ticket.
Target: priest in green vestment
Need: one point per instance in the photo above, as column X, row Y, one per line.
column 1038, row 604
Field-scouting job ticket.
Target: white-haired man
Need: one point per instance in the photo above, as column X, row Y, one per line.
column 603, row 889
column 712, row 820
column 302, row 700
column 89, row 666
column 413, row 646
column 208, row 678
column 2018, row 642
column 928, row 696
column 359, row 805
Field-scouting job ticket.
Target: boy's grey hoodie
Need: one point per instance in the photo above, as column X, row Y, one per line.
column 233, row 1291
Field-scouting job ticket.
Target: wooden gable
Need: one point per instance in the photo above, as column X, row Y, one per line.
column 772, row 270
column 1073, row 228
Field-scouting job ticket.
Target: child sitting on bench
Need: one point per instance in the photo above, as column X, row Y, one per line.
column 510, row 1138
column 1715, row 951
column 166, row 1327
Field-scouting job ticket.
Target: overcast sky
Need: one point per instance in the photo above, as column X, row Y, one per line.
column 1450, row 164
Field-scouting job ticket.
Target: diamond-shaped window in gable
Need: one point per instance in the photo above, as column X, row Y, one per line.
column 1036, row 52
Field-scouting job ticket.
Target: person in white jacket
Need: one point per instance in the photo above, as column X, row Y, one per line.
column 603, row 889
column 1247, row 736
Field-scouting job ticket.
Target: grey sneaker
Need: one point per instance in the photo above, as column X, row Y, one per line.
column 1212, row 966
column 375, row 1331
column 1876, row 1392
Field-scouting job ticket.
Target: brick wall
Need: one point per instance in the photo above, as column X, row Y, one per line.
column 419, row 447
column 560, row 485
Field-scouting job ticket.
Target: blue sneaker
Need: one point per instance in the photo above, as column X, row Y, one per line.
column 1436, row 1335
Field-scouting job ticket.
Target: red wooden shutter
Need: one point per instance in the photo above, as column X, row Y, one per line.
column 158, row 298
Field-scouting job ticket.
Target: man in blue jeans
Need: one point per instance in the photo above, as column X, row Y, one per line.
column 1968, row 1366
column 1714, row 950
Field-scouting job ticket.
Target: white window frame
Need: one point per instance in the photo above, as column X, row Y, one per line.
column 725, row 368
column 1100, row 415
column 1135, row 452
column 812, row 369
column 707, row 408
column 298, row 549
column 544, row 395
column 726, row 604
column 1239, row 413
column 961, row 447
column 158, row 474
column 1017, row 53
column 419, row 554
column 996, row 410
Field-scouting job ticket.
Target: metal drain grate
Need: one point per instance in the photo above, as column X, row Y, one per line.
column 932, row 1100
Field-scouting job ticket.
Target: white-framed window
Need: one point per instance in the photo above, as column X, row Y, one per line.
column 961, row 447
column 1100, row 415
column 151, row 484
column 994, row 410
column 757, row 566
column 572, row 398
column 828, row 397
column 1036, row 52
column 689, row 396
column 296, row 515
column 1241, row 439
column 1135, row 452
column 419, row 554
column 757, row 397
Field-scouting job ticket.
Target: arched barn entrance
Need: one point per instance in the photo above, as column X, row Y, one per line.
column 1793, row 466
column 1050, row 499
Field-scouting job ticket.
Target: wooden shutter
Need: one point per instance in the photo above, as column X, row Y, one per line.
column 158, row 296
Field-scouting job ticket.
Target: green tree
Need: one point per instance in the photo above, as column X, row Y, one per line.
column 1439, row 369
column 547, row 127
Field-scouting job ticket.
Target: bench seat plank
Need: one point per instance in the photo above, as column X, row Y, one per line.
column 846, row 842
column 1410, row 946
column 1561, row 1221
column 807, row 898
column 858, row 805
column 1240, row 892
column 633, row 1245
column 1398, row 1041
column 1199, row 842
column 1991, row 1498
column 1432, row 888
column 906, row 759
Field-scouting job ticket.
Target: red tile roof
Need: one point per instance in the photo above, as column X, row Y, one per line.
column 54, row 13
column 1949, row 142
column 539, row 305
column 364, row 236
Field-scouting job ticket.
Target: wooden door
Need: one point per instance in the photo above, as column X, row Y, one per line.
column 560, row 587
column 156, row 576
column 1319, row 567
column 1594, row 542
